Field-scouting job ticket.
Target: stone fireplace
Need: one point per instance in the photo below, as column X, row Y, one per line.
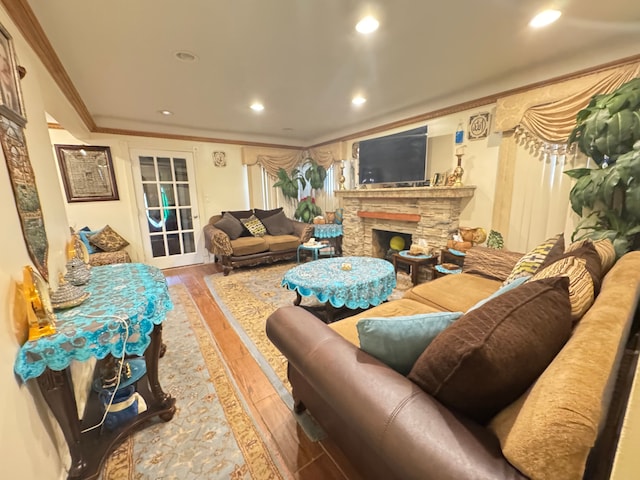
column 428, row 213
column 381, row 240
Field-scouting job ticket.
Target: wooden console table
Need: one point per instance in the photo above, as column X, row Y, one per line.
column 133, row 294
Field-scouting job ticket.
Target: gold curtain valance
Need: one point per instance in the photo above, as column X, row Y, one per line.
column 273, row 159
column 549, row 113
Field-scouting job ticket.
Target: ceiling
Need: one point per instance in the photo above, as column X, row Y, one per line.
column 304, row 61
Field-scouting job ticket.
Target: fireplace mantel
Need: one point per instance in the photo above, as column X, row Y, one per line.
column 426, row 213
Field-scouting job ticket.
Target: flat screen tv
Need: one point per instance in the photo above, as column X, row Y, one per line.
column 392, row 159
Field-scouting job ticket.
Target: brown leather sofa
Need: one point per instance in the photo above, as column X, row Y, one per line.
column 390, row 428
column 249, row 250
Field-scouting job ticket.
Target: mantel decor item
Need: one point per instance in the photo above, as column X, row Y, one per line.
column 25, row 193
column 39, row 309
column 456, row 177
column 342, row 178
column 11, row 105
column 87, row 173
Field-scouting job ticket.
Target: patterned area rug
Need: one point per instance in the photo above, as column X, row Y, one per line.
column 212, row 435
column 248, row 296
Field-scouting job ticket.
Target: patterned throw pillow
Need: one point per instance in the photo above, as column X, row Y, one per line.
column 490, row 263
column 255, row 226
column 604, row 248
column 108, row 240
column 531, row 262
column 581, row 288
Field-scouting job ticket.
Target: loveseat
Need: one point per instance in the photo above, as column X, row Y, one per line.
column 253, row 237
column 546, row 428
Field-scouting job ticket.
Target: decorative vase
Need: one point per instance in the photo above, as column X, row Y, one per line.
column 458, row 172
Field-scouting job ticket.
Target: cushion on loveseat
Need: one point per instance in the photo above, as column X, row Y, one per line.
column 249, row 245
column 549, row 432
column 489, row 357
column 280, row 243
column 446, row 293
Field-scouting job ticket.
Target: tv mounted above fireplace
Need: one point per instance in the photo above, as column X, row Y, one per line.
column 400, row 158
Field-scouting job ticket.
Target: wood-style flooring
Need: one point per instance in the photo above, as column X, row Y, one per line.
column 305, row 460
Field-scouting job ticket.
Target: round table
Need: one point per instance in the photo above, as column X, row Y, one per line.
column 368, row 283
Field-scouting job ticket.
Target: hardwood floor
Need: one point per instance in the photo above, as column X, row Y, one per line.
column 305, row 460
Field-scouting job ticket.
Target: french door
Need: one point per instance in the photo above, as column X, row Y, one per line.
column 167, row 207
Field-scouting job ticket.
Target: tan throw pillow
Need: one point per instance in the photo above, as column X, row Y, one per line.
column 108, row 240
column 581, row 290
column 490, row 263
column 489, row 357
column 604, row 248
column 255, row 226
column 531, row 262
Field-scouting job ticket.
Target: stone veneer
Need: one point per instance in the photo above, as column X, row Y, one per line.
column 429, row 213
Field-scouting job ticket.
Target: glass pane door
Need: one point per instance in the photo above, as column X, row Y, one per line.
column 169, row 219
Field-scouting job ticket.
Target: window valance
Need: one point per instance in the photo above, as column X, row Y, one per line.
column 272, row 159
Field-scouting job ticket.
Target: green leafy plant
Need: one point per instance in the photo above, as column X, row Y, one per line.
column 307, row 210
column 315, row 174
column 608, row 198
column 289, row 184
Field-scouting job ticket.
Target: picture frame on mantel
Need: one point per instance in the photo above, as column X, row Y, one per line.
column 11, row 105
column 87, row 173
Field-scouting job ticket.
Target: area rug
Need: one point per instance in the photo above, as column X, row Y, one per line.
column 212, row 435
column 247, row 297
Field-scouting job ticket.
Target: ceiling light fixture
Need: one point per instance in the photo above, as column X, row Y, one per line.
column 367, row 25
column 185, row 56
column 257, row 107
column 545, row 18
column 165, row 112
column 359, row 100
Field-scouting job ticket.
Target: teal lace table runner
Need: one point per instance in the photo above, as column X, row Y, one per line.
column 127, row 293
column 369, row 282
column 327, row 230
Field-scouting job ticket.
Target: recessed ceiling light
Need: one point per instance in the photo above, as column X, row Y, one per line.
column 257, row 107
column 367, row 25
column 359, row 100
column 545, row 18
column 165, row 112
column 185, row 56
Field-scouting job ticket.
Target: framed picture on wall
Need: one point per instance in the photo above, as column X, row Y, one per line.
column 87, row 173
column 11, row 105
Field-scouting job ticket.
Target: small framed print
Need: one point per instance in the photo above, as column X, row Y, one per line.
column 87, row 173
column 11, row 105
column 219, row 159
column 479, row 126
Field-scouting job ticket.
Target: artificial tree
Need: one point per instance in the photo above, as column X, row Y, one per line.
column 315, row 175
column 608, row 197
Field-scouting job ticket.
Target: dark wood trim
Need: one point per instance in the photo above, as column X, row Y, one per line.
column 403, row 217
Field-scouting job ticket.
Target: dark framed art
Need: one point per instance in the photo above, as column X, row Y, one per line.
column 11, row 105
column 87, row 173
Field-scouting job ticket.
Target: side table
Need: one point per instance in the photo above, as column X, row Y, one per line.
column 414, row 262
column 331, row 232
column 124, row 298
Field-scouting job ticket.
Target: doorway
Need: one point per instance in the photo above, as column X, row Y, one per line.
column 167, row 207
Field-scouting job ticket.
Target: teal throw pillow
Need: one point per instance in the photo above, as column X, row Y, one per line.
column 84, row 237
column 399, row 341
column 505, row 288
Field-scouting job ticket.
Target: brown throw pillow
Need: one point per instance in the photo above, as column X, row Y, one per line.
column 589, row 254
column 230, row 225
column 278, row 224
column 262, row 214
column 240, row 214
column 490, row 263
column 490, row 356
column 108, row 240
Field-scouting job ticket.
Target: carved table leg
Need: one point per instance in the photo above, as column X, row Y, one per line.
column 58, row 393
column 159, row 398
column 298, row 299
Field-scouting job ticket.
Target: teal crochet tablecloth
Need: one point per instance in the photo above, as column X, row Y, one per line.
column 127, row 292
column 369, row 282
column 327, row 230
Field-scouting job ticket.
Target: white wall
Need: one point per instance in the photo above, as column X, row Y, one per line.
column 31, row 445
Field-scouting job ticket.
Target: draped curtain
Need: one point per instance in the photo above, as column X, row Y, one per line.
column 532, row 196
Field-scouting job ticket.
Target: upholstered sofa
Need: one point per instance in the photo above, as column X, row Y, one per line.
column 390, row 427
column 253, row 237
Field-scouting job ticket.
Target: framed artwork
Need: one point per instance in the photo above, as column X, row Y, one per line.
column 11, row 105
column 219, row 159
column 479, row 126
column 25, row 192
column 87, row 173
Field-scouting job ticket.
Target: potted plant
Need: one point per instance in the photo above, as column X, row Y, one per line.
column 289, row 184
column 608, row 197
column 314, row 175
column 307, row 210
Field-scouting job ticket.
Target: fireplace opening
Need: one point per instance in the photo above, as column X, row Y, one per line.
column 381, row 243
